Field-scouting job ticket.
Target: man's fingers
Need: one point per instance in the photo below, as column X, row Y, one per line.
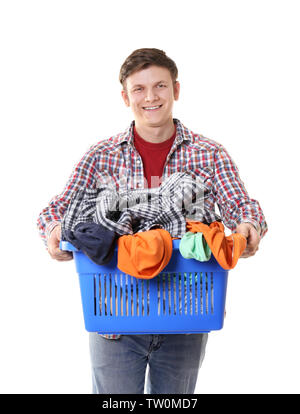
column 64, row 255
column 248, row 252
column 64, row 258
column 58, row 254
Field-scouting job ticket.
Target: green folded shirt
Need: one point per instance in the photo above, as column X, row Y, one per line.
column 194, row 246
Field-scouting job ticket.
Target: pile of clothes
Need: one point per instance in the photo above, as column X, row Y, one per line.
column 143, row 223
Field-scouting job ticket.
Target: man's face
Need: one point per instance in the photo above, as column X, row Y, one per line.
column 151, row 93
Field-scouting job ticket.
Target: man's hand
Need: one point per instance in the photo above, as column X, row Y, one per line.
column 252, row 236
column 53, row 246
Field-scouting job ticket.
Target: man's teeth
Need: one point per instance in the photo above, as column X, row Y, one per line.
column 152, row 107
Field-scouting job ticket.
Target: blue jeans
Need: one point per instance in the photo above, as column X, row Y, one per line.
column 119, row 366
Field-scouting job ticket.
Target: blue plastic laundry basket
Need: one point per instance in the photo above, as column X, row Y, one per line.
column 187, row 297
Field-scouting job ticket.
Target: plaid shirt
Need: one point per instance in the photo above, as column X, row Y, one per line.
column 116, row 159
column 179, row 197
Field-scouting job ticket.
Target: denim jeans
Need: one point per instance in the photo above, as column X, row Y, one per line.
column 119, row 366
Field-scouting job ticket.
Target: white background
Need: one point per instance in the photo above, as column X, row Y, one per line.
column 239, row 71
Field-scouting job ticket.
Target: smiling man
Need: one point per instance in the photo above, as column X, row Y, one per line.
column 154, row 147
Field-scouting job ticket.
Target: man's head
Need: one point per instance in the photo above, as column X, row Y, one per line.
column 150, row 86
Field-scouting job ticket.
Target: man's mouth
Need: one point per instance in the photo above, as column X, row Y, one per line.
column 151, row 108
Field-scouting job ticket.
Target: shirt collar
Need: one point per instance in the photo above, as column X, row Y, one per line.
column 182, row 134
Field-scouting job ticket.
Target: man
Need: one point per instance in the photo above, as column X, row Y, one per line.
column 154, row 147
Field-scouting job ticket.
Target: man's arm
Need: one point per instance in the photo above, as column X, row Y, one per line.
column 48, row 223
column 239, row 212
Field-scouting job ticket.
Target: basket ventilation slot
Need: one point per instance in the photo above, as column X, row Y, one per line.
column 185, row 293
column 120, row 295
column 176, row 294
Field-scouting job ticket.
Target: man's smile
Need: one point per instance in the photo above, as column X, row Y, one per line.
column 151, row 108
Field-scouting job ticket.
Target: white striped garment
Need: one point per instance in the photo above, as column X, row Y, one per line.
column 179, row 197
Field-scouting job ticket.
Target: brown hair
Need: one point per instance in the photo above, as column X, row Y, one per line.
column 142, row 59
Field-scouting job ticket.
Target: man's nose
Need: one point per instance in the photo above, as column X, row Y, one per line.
column 150, row 95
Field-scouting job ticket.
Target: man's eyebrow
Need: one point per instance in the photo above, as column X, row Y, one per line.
column 137, row 85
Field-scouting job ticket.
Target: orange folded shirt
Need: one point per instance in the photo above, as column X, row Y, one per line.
column 145, row 254
column 226, row 249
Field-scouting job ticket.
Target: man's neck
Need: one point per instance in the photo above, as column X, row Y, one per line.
column 156, row 134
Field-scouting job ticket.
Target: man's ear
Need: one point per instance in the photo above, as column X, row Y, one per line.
column 125, row 97
column 176, row 90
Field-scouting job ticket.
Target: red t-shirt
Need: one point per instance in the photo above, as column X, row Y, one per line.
column 154, row 157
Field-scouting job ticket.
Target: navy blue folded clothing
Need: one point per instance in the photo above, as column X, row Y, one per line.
column 94, row 240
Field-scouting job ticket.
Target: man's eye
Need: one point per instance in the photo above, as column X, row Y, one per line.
column 137, row 89
column 161, row 85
